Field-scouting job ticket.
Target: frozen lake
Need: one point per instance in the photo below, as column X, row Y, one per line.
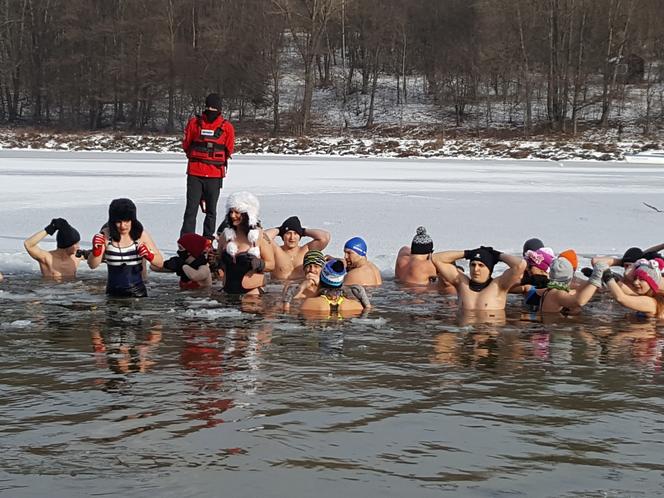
column 198, row 394
column 590, row 206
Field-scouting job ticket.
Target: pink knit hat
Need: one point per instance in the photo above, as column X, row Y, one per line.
column 541, row 258
column 650, row 271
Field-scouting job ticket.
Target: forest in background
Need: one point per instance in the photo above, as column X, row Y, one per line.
column 146, row 66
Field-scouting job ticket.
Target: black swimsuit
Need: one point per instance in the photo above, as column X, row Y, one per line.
column 234, row 271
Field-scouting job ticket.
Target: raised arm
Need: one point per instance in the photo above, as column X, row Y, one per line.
column 586, row 290
column 579, row 298
column 646, row 304
column 444, row 263
column 656, row 248
column 98, row 248
column 267, row 252
column 36, row 252
column 608, row 260
column 148, row 249
column 271, row 232
column 321, row 238
column 514, row 273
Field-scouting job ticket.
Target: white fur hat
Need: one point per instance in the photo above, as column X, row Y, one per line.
column 244, row 202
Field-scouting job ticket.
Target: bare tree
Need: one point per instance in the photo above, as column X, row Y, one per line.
column 307, row 20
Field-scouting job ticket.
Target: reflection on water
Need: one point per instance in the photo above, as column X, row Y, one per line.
column 168, row 394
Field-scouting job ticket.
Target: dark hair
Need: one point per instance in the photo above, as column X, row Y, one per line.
column 244, row 224
column 135, row 232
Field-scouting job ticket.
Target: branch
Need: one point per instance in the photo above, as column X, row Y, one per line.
column 653, row 207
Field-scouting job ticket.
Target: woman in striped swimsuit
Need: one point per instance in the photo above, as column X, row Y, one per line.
column 123, row 245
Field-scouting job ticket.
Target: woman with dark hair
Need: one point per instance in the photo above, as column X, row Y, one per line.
column 245, row 253
column 124, row 246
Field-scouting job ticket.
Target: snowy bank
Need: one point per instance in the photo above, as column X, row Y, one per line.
column 591, row 146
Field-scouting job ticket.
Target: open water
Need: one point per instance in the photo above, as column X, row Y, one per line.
column 199, row 394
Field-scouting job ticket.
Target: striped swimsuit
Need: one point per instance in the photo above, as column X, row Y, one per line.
column 125, row 271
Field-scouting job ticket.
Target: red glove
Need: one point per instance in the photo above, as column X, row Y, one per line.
column 98, row 245
column 145, row 252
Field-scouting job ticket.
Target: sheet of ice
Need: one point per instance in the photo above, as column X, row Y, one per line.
column 592, row 207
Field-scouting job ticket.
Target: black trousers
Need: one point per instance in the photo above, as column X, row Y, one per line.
column 201, row 188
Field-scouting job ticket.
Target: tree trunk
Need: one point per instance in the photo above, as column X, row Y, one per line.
column 525, row 74
column 308, row 94
column 609, row 89
column 374, row 85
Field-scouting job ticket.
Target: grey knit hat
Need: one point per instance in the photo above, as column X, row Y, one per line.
column 561, row 271
column 422, row 243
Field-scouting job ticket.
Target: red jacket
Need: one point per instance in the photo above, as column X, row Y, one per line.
column 192, row 134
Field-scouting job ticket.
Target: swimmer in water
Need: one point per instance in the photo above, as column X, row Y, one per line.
column 60, row 262
column 124, row 246
column 191, row 262
column 627, row 261
column 480, row 291
column 414, row 266
column 314, row 262
column 245, row 252
column 647, row 282
column 290, row 255
column 536, row 275
column 360, row 270
column 331, row 300
column 559, row 297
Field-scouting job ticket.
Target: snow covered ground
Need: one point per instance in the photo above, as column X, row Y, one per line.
column 590, row 206
column 413, row 142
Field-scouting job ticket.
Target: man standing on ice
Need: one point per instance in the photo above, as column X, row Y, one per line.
column 480, row 292
column 209, row 141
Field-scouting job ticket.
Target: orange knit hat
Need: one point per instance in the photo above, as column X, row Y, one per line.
column 570, row 255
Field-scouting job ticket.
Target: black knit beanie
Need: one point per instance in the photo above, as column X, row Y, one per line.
column 67, row 236
column 292, row 223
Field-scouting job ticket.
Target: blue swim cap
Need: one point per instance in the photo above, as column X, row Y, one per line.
column 357, row 245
